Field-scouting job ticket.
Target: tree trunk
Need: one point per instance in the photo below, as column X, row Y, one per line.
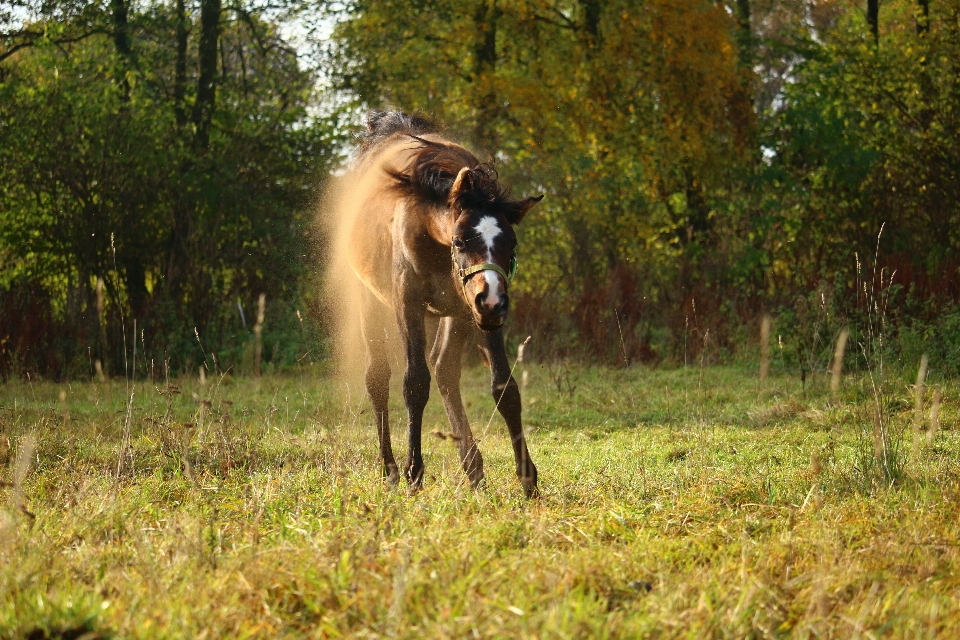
column 180, row 69
column 207, row 80
column 121, row 41
column 484, row 72
column 923, row 19
column 178, row 256
column 591, row 20
column 135, row 274
column 121, row 27
column 873, row 19
column 179, row 260
column 744, row 35
column 136, row 281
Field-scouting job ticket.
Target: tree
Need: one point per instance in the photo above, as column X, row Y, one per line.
column 625, row 114
column 127, row 156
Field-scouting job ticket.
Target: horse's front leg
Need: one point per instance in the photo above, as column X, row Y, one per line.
column 506, row 393
column 416, row 378
column 451, row 339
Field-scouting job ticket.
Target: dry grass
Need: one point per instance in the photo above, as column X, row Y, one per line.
column 675, row 504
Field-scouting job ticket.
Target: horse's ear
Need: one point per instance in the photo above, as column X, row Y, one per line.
column 461, row 185
column 515, row 211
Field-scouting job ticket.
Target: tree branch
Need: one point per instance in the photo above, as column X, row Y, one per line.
column 56, row 41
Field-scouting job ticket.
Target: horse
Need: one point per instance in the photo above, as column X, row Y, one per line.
column 433, row 236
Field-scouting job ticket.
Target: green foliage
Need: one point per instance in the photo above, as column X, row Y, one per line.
column 703, row 164
column 866, row 139
column 625, row 126
column 688, row 188
column 110, row 171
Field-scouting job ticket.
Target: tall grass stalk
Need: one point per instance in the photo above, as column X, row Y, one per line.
column 18, row 498
column 886, row 465
column 918, row 391
column 934, row 418
column 258, row 335
column 623, row 346
column 700, row 392
column 765, row 347
column 524, row 376
column 503, row 391
column 101, row 366
column 836, row 371
column 126, row 452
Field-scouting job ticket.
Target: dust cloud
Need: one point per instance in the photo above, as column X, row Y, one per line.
column 340, row 211
column 347, row 199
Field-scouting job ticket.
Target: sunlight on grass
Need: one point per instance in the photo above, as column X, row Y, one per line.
column 675, row 503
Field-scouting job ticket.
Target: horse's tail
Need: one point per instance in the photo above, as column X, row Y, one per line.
column 383, row 124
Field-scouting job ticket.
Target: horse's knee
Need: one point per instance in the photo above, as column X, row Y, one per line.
column 377, row 380
column 377, row 373
column 416, row 388
column 446, row 386
column 506, row 394
column 448, row 374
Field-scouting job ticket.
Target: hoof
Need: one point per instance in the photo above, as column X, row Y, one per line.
column 414, row 476
column 391, row 475
column 473, row 465
column 476, row 479
column 530, row 487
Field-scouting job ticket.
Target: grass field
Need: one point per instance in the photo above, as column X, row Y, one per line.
column 675, row 503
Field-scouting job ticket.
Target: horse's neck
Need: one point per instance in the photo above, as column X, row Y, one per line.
column 439, row 224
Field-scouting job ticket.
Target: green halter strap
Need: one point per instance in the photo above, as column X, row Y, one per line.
column 477, row 268
column 465, row 274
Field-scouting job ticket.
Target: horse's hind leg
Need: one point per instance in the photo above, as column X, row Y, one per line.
column 506, row 394
column 452, row 335
column 378, row 379
column 408, row 296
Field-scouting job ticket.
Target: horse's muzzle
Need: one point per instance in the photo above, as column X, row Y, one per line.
column 489, row 327
column 491, row 317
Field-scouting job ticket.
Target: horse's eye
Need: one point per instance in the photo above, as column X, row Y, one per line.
column 458, row 243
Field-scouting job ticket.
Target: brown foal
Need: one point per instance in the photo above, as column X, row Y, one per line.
column 434, row 236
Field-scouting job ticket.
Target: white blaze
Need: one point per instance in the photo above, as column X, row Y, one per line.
column 493, row 284
column 488, row 230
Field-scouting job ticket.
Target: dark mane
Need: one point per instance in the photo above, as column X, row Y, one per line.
column 383, row 124
column 433, row 165
column 433, row 168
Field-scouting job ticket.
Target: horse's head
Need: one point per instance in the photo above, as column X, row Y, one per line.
column 484, row 244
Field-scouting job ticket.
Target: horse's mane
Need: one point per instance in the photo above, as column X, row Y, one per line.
column 383, row 124
column 433, row 166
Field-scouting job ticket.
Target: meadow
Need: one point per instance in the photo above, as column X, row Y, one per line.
column 687, row 502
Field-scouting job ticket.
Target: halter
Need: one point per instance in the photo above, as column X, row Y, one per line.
column 465, row 274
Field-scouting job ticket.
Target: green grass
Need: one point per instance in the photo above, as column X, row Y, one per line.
column 747, row 511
